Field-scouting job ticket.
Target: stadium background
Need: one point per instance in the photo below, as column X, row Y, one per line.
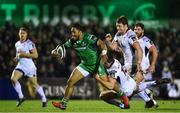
column 49, row 22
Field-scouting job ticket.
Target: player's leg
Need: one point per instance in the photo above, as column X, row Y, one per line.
column 109, row 97
column 139, row 77
column 31, row 89
column 38, row 89
column 148, row 77
column 150, row 94
column 76, row 75
column 16, row 75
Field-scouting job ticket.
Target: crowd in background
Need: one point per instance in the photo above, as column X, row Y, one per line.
column 46, row 37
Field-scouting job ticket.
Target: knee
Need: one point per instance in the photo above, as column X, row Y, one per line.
column 101, row 96
column 34, row 85
column 14, row 81
column 70, row 83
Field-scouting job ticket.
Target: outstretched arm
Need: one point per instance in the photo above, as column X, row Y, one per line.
column 103, row 48
column 112, row 44
column 108, row 84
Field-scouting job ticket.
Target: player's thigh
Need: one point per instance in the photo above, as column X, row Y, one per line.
column 76, row 75
column 16, row 75
column 130, row 87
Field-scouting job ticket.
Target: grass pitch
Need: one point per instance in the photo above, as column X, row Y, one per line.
column 83, row 106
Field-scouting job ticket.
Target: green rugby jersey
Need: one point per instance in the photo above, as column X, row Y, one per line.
column 86, row 49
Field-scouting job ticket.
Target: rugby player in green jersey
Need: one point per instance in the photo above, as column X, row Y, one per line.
column 92, row 52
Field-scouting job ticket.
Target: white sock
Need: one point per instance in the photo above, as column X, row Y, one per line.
column 144, row 85
column 147, row 91
column 144, row 96
column 41, row 93
column 17, row 87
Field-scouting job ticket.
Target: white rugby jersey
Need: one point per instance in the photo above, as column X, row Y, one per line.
column 25, row 63
column 116, row 72
column 145, row 44
column 126, row 43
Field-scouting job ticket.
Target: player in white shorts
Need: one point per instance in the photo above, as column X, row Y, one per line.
column 148, row 47
column 126, row 83
column 126, row 41
column 25, row 52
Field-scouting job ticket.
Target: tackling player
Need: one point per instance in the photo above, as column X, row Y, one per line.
column 126, row 83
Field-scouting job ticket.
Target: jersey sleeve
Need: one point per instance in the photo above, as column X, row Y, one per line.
column 93, row 39
column 148, row 43
column 16, row 47
column 132, row 38
column 68, row 44
column 113, row 74
column 31, row 46
column 115, row 38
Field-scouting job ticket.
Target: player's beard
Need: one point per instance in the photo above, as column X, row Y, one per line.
column 140, row 35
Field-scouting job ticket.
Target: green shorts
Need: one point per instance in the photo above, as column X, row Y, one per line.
column 93, row 69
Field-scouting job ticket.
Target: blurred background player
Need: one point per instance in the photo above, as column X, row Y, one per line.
column 148, row 67
column 25, row 52
column 127, row 40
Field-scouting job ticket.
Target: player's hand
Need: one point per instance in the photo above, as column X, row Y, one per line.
column 21, row 54
column 16, row 60
column 123, row 68
column 96, row 76
column 54, row 53
column 151, row 68
column 108, row 37
column 138, row 68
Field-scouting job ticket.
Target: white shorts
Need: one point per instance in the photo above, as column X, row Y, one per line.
column 148, row 76
column 83, row 71
column 30, row 72
column 129, row 87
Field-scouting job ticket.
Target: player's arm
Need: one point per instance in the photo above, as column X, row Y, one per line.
column 138, row 48
column 103, row 49
column 33, row 54
column 154, row 52
column 108, row 84
column 113, row 45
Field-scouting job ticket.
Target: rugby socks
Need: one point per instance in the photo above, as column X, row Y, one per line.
column 41, row 93
column 144, row 85
column 123, row 97
column 17, row 87
column 64, row 101
column 144, row 96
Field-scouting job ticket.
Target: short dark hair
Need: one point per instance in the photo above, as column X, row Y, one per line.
column 122, row 19
column 77, row 26
column 24, row 29
column 139, row 24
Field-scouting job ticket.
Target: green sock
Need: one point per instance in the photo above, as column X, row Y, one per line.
column 64, row 101
column 120, row 94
